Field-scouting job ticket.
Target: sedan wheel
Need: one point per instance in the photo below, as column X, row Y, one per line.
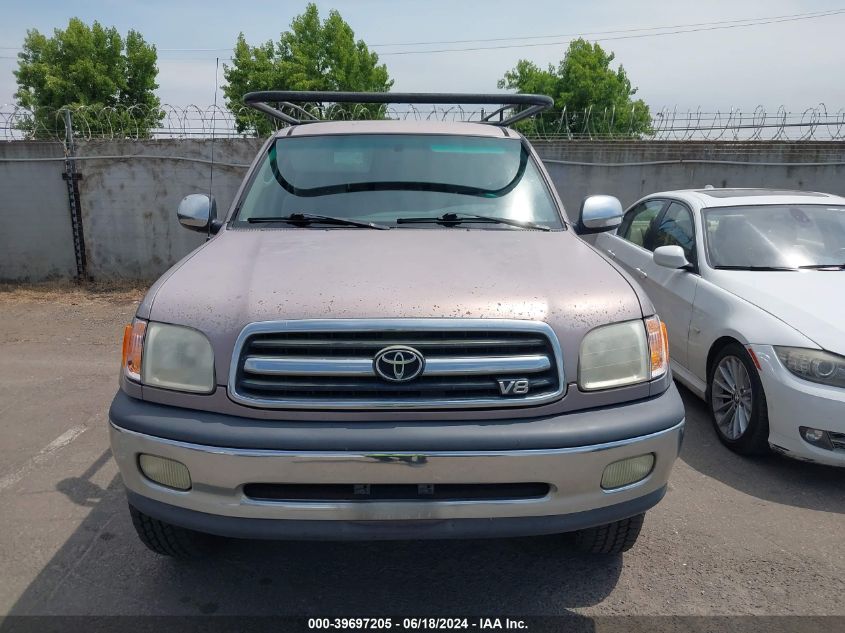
column 731, row 398
column 737, row 401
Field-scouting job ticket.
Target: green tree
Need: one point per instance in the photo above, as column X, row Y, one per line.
column 114, row 78
column 596, row 97
column 312, row 55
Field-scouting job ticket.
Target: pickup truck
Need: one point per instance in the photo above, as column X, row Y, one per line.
column 394, row 332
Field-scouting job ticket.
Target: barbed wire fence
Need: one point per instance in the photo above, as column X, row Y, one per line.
column 586, row 148
column 817, row 123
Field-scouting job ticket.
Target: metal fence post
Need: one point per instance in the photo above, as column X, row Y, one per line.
column 72, row 177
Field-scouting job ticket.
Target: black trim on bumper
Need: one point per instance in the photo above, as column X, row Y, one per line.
column 287, row 529
column 569, row 430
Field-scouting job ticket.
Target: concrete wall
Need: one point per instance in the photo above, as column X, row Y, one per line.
column 129, row 204
column 36, row 241
column 130, row 191
column 630, row 170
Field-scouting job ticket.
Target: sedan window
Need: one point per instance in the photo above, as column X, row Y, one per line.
column 675, row 228
column 638, row 222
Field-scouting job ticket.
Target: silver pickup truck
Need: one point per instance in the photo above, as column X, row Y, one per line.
column 394, row 333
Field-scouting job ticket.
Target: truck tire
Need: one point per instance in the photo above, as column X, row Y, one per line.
column 170, row 540
column 613, row 538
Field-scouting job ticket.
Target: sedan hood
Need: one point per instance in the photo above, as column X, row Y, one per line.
column 810, row 301
column 264, row 274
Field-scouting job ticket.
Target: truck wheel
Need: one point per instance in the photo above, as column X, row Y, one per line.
column 170, row 540
column 737, row 402
column 613, row 538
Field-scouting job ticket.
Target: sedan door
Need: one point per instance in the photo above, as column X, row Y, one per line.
column 628, row 244
column 671, row 290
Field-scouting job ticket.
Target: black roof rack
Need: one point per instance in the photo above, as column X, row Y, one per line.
column 534, row 104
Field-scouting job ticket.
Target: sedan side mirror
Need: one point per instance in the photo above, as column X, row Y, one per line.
column 670, row 257
column 599, row 214
column 198, row 212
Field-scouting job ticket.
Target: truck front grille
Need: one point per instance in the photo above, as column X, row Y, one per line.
column 332, row 364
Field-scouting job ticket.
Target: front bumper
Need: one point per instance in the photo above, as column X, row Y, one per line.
column 216, row 503
column 792, row 403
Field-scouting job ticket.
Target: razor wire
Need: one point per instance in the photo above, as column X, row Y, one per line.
column 816, row 123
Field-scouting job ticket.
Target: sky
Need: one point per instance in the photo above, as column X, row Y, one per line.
column 796, row 64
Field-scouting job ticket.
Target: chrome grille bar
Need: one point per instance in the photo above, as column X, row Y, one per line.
column 309, row 366
column 483, row 365
column 376, row 344
column 364, row 366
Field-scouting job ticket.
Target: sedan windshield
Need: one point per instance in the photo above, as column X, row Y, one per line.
column 382, row 178
column 775, row 237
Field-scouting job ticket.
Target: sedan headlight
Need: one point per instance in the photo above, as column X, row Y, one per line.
column 814, row 365
column 168, row 356
column 623, row 354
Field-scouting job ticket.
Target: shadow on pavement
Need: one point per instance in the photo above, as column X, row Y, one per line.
column 81, row 490
column 103, row 569
column 769, row 477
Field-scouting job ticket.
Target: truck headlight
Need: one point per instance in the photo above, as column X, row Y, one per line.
column 623, row 354
column 814, row 365
column 168, row 356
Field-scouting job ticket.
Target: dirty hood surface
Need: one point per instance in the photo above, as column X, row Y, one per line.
column 264, row 274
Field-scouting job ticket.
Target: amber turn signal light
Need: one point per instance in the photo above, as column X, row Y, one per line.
column 133, row 348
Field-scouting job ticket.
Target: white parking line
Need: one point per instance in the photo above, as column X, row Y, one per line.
column 60, row 442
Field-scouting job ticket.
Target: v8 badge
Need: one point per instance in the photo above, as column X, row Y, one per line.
column 514, row 386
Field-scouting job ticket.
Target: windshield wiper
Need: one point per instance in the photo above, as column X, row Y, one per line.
column 304, row 219
column 755, row 268
column 453, row 219
column 824, row 267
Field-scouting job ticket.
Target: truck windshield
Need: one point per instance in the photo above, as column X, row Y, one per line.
column 381, row 178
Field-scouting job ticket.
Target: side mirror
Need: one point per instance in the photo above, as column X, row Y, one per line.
column 197, row 212
column 599, row 214
column 670, row 257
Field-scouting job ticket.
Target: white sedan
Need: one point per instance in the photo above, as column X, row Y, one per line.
column 751, row 285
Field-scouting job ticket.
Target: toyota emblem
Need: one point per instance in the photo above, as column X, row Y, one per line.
column 398, row 363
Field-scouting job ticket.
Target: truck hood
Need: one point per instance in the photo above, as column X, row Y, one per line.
column 263, row 274
column 811, row 301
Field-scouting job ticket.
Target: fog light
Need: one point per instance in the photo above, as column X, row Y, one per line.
column 166, row 472
column 627, row 471
column 816, row 437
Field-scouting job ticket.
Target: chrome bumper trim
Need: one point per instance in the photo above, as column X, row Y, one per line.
column 219, row 474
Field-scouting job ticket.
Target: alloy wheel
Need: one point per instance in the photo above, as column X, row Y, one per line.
column 731, row 397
